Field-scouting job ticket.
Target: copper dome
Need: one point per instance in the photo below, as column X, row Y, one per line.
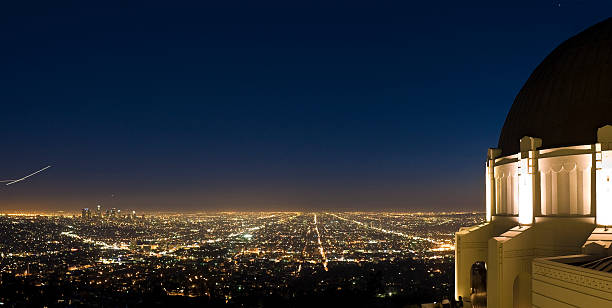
column 568, row 96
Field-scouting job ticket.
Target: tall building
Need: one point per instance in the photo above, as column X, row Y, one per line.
column 85, row 213
column 546, row 242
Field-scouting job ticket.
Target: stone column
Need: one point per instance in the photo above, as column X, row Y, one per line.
column 603, row 175
column 529, row 180
column 490, row 182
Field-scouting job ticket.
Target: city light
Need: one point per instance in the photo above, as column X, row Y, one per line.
column 231, row 256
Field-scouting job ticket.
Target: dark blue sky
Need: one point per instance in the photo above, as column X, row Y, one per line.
column 288, row 105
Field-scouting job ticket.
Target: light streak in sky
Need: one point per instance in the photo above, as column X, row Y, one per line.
column 25, row 177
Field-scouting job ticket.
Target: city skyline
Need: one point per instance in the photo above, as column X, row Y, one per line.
column 306, row 154
column 211, row 107
column 229, row 259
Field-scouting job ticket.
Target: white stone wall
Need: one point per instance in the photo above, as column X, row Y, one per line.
column 506, row 189
column 560, row 285
column 565, row 185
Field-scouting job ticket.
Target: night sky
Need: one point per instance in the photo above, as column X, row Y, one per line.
column 290, row 105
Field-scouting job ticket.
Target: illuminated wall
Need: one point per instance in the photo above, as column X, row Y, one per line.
column 488, row 200
column 561, row 177
column 565, row 183
column 604, row 188
column 525, row 192
column 507, row 189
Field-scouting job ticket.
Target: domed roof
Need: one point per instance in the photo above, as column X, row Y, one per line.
column 568, row 96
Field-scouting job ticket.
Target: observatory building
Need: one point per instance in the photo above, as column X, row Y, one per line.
column 547, row 241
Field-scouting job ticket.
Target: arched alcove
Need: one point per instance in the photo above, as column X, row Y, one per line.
column 521, row 291
column 478, row 283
